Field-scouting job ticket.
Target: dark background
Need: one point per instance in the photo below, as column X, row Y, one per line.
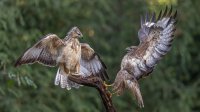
column 109, row 26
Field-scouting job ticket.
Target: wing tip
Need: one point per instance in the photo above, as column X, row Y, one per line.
column 18, row 62
column 167, row 13
column 103, row 70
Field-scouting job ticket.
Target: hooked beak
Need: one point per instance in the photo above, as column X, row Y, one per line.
column 81, row 36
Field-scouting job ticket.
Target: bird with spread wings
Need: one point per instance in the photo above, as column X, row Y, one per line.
column 72, row 57
column 156, row 36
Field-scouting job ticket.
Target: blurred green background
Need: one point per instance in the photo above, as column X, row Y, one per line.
column 109, row 26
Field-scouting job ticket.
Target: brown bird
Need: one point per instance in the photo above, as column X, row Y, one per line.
column 156, row 36
column 66, row 53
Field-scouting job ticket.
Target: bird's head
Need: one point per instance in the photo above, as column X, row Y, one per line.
column 128, row 49
column 75, row 33
column 131, row 48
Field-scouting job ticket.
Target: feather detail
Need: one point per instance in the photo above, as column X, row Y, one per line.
column 91, row 61
column 62, row 80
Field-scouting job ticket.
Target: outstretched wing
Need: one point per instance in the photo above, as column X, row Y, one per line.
column 45, row 51
column 156, row 36
column 92, row 61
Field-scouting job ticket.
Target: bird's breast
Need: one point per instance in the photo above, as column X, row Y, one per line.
column 71, row 53
column 135, row 66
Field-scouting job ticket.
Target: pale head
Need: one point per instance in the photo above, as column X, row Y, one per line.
column 128, row 49
column 75, row 33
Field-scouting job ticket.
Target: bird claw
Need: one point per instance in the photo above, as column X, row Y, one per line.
column 106, row 85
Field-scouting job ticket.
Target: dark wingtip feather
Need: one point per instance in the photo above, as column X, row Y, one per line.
column 175, row 15
column 175, row 22
column 165, row 12
column 141, row 21
column 103, row 71
column 174, row 30
column 159, row 16
column 18, row 62
column 103, row 64
column 147, row 17
column 169, row 21
column 106, row 75
column 170, row 11
column 153, row 19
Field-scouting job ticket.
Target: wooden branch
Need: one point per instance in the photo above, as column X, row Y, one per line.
column 96, row 82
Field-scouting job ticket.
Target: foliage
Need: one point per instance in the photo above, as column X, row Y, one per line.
column 109, row 26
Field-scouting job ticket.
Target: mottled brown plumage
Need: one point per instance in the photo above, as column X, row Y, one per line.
column 66, row 53
column 156, row 36
column 92, row 61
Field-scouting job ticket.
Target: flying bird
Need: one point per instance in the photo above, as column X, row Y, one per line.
column 156, row 36
column 71, row 56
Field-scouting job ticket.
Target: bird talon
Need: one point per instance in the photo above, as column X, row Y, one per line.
column 106, row 85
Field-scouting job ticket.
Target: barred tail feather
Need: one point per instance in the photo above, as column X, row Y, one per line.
column 57, row 79
column 125, row 80
column 135, row 89
column 62, row 80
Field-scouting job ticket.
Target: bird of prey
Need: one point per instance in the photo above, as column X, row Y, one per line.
column 72, row 57
column 156, row 36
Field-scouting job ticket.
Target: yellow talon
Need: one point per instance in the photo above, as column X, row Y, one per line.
column 107, row 85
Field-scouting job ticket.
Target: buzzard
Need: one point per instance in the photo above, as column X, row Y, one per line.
column 156, row 36
column 72, row 57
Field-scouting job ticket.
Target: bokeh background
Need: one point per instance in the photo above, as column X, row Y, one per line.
column 109, row 26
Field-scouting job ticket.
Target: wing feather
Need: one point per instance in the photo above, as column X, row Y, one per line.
column 45, row 51
column 92, row 62
column 159, row 34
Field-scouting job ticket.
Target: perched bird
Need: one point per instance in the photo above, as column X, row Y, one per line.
column 156, row 36
column 72, row 57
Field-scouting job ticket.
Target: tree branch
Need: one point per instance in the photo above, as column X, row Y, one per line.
column 96, row 82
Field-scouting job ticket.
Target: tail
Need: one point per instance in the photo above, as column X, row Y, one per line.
column 135, row 89
column 62, row 80
column 126, row 80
